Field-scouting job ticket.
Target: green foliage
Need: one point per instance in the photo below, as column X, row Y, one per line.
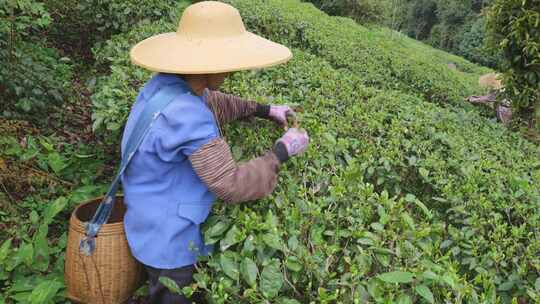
column 382, row 58
column 36, row 78
column 33, row 76
column 397, row 200
column 452, row 14
column 111, row 103
column 362, row 11
column 514, row 28
column 34, row 232
column 421, row 18
column 22, row 16
column 84, row 23
column 403, row 197
column 446, row 24
column 455, row 26
column 472, row 44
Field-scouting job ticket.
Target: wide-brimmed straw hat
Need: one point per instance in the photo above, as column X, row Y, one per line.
column 211, row 38
column 491, row 80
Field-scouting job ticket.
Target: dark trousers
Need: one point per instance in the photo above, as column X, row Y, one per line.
column 159, row 294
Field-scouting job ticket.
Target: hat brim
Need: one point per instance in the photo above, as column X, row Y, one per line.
column 180, row 54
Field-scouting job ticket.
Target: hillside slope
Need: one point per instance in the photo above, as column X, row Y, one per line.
column 383, row 58
column 405, row 195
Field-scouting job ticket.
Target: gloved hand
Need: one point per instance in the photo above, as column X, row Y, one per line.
column 278, row 113
column 295, row 141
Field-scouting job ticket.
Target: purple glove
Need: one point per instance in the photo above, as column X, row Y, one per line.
column 295, row 141
column 279, row 114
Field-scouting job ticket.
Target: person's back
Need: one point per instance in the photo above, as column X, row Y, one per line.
column 163, row 193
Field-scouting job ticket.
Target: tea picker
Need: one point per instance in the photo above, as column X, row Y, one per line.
column 175, row 161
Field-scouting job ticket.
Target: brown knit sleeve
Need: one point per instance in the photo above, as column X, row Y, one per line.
column 228, row 107
column 233, row 182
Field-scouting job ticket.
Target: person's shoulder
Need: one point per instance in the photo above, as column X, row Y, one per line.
column 187, row 108
column 187, row 102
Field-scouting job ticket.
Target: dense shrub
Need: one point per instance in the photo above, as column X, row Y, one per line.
column 33, row 75
column 81, row 24
column 514, row 27
column 472, row 44
column 421, row 18
column 397, row 199
column 36, row 78
column 111, row 103
column 42, row 179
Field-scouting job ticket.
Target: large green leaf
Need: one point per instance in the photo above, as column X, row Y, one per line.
column 249, row 271
column 56, row 162
column 25, row 254
column 45, row 292
column 272, row 240
column 271, row 279
column 24, row 283
column 229, row 265
column 396, row 277
column 293, row 263
column 41, row 248
column 425, row 293
column 404, row 299
column 217, row 229
column 170, row 284
column 4, row 250
column 233, row 236
column 53, row 209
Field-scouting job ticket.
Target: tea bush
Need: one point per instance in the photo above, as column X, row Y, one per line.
column 35, row 78
column 398, row 200
column 362, row 11
column 42, row 179
column 33, row 75
column 81, row 24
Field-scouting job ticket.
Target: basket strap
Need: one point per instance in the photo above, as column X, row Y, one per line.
column 151, row 111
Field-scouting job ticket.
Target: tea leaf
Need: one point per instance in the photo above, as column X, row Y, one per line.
column 45, row 292
column 249, row 271
column 425, row 293
column 396, row 277
column 229, row 266
column 271, row 279
column 170, row 284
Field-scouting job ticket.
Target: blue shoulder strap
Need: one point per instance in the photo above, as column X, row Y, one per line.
column 151, row 111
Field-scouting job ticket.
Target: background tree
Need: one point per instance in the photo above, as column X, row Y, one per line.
column 457, row 26
column 514, row 27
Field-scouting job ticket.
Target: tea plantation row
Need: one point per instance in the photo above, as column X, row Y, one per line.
column 398, row 200
column 379, row 57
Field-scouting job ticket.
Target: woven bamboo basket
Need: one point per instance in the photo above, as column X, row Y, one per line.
column 111, row 274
